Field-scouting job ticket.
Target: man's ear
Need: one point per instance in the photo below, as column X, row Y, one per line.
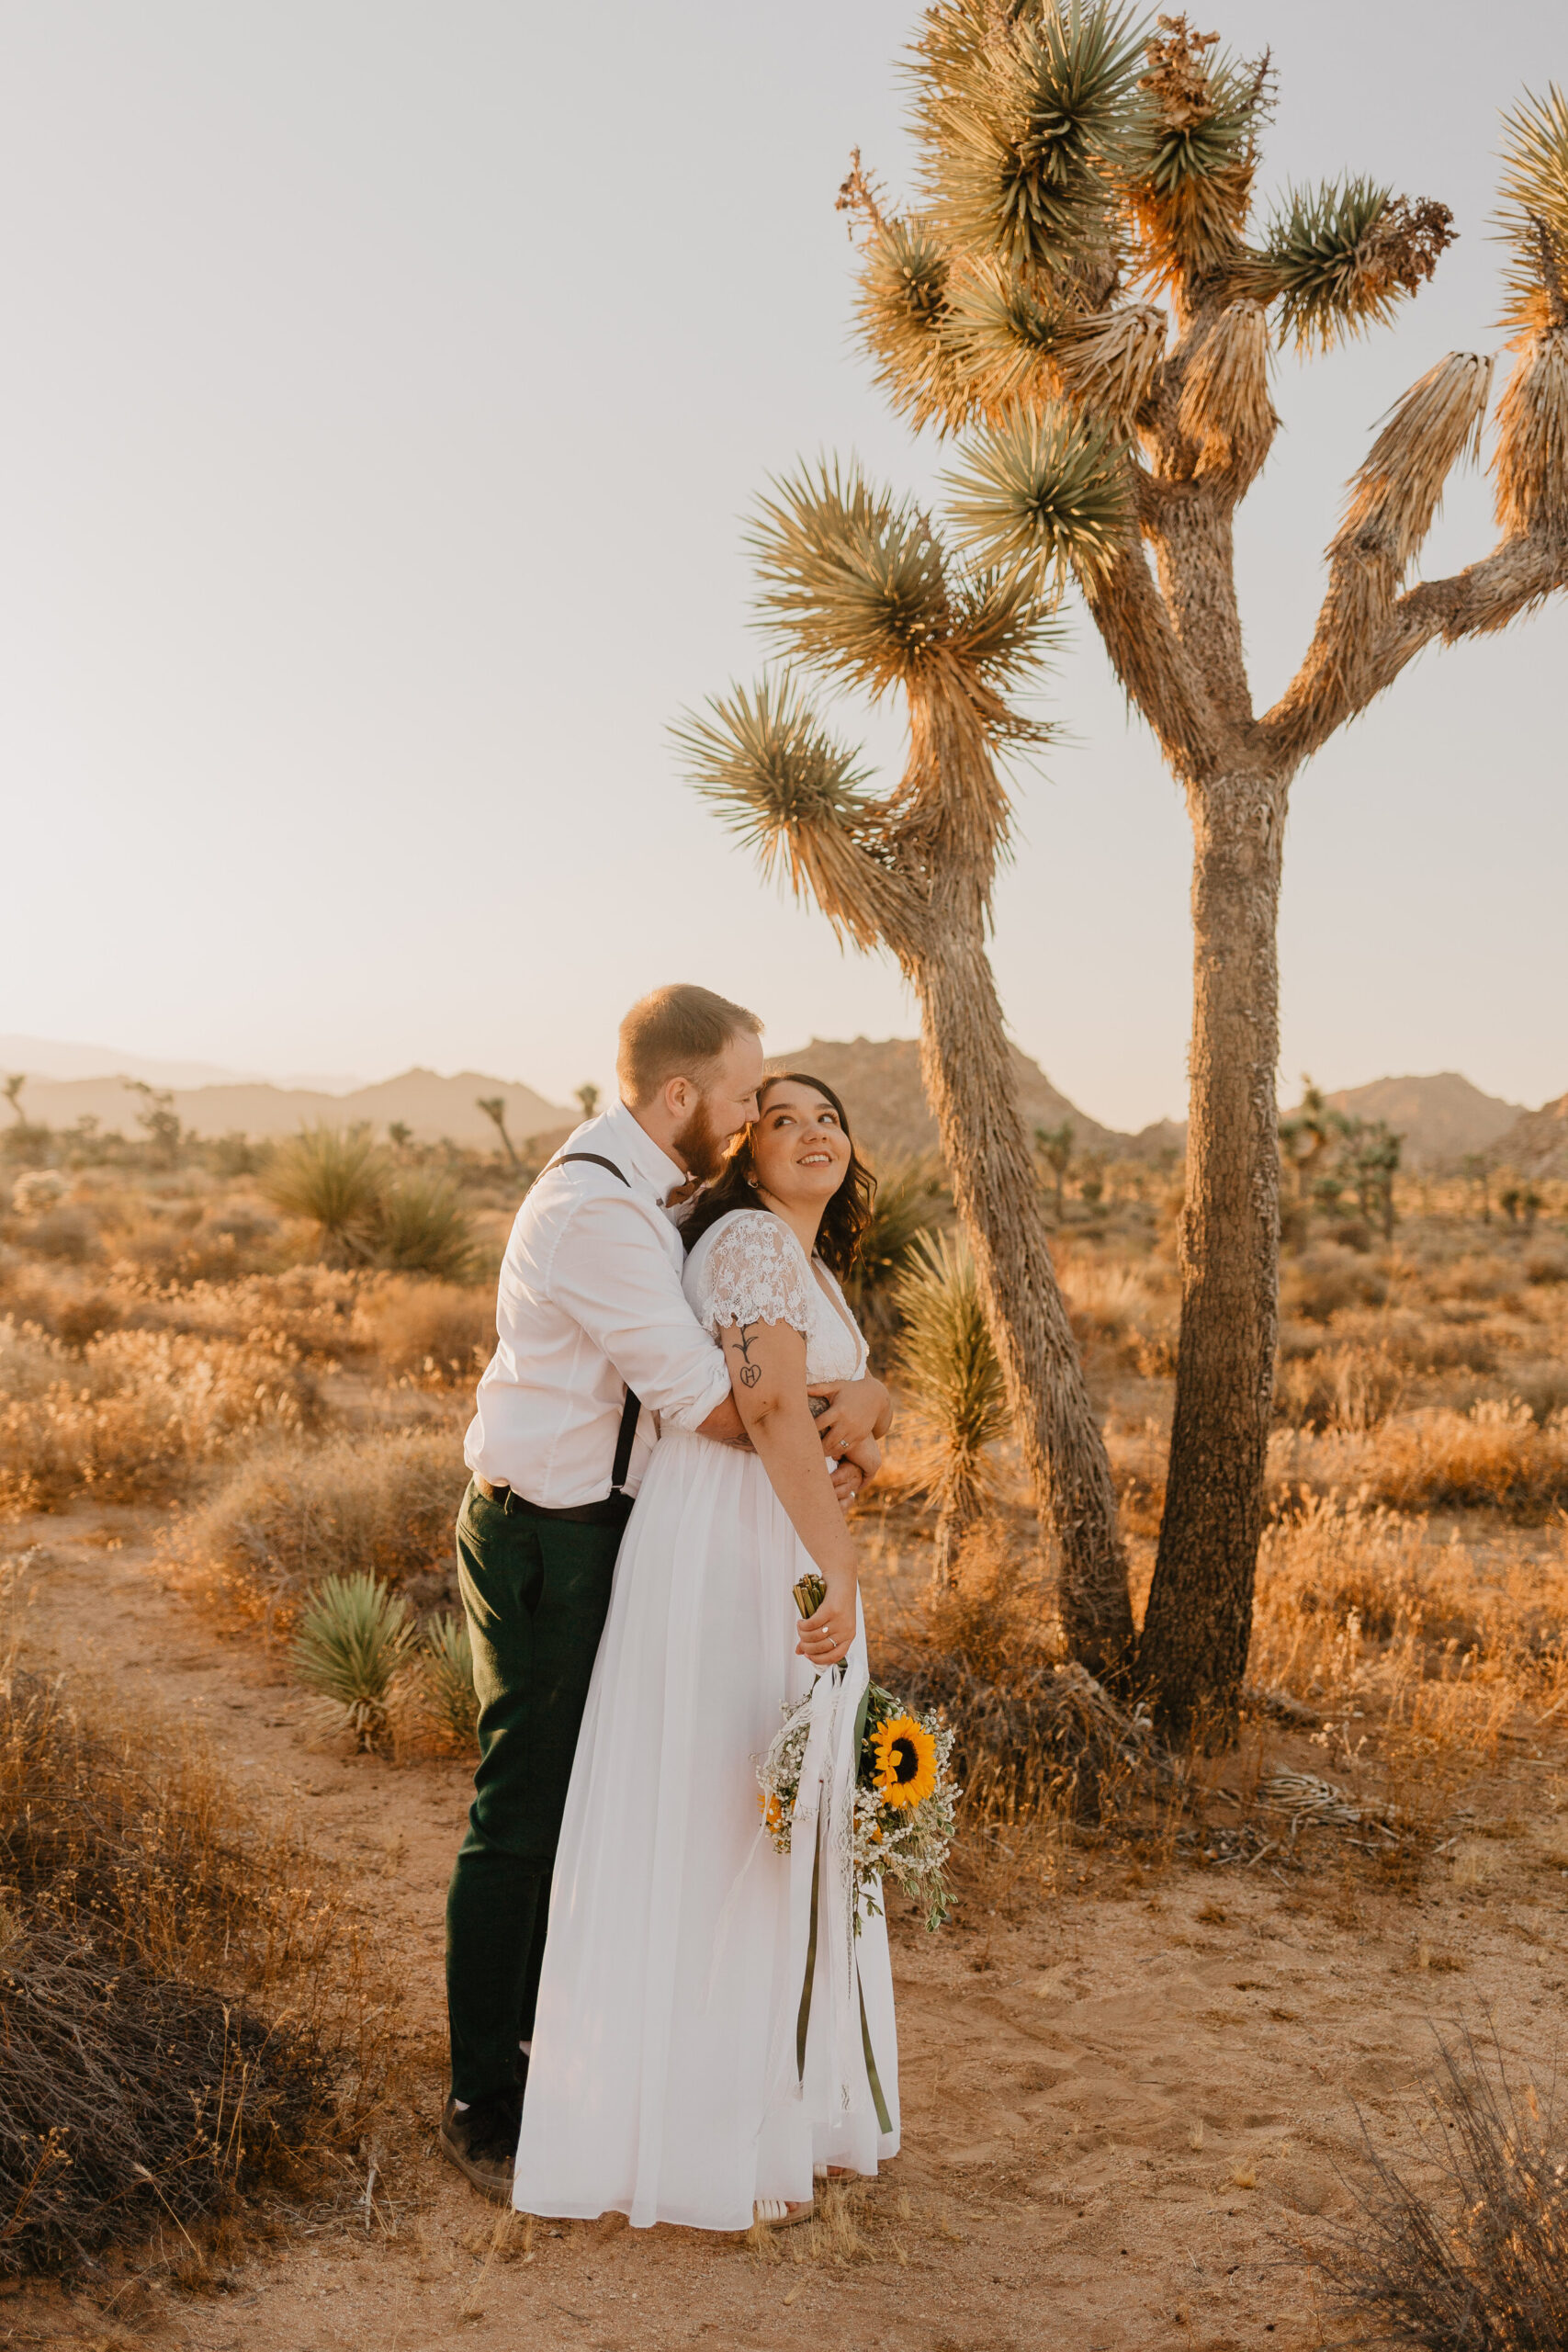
column 679, row 1097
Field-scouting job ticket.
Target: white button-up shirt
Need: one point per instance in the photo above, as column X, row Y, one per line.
column 591, row 1304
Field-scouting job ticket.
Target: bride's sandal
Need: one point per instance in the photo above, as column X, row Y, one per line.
column 844, row 2172
column 775, row 2213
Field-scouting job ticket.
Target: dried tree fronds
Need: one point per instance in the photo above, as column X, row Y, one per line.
column 851, row 579
column 1047, row 487
column 1192, row 185
column 1225, row 408
column 793, row 797
column 1398, row 489
column 1026, row 113
column 1338, row 258
column 1532, row 460
column 1483, row 2267
column 902, row 306
column 1109, row 361
column 1533, row 217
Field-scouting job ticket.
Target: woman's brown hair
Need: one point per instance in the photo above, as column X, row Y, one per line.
column 846, row 1214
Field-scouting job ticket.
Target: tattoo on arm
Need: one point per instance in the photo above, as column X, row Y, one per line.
column 819, row 1405
column 750, row 1372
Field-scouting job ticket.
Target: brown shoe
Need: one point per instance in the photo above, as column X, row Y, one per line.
column 481, row 2141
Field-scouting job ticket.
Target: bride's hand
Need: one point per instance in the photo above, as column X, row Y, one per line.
column 854, row 1409
column 825, row 1637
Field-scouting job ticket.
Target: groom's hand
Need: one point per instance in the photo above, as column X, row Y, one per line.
column 724, row 1426
column 855, row 1409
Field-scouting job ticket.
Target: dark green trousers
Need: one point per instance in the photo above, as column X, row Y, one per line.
column 536, row 1591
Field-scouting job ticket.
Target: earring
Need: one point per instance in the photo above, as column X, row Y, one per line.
column 752, row 1181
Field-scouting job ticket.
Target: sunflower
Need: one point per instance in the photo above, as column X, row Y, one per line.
column 904, row 1767
column 772, row 1811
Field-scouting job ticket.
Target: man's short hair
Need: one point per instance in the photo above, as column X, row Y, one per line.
column 676, row 1032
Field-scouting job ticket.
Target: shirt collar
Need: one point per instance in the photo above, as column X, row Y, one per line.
column 634, row 1145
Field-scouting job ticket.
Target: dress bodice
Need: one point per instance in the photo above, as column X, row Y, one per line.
column 750, row 1268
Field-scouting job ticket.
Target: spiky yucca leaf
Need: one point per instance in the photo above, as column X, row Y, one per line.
column 852, row 580
column 1338, row 258
column 1025, row 112
column 947, row 1362
column 1225, row 407
column 1398, row 489
column 1532, row 460
column 1195, row 151
column 1045, row 487
column 793, row 797
column 433, row 1702
column 903, row 307
column 353, row 1638
column 1109, row 361
column 1534, row 213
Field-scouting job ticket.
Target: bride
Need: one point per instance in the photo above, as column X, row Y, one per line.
column 712, row 2033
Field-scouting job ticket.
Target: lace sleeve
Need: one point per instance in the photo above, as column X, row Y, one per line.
column 756, row 1273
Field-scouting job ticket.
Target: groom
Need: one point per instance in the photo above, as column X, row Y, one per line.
column 596, row 1346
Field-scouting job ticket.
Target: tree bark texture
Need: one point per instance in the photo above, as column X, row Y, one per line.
column 1192, row 1656
column 969, row 1085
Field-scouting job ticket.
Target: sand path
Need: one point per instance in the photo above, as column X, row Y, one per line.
column 1123, row 2110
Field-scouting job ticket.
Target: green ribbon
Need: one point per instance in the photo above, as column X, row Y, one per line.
column 803, row 2017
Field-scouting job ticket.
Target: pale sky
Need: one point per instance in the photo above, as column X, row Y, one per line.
column 383, row 386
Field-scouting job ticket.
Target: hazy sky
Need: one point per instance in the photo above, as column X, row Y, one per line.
column 382, row 387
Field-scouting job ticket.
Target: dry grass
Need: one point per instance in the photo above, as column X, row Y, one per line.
column 185, row 2011
column 382, row 1503
column 132, row 1415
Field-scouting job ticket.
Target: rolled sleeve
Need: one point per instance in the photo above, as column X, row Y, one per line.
column 612, row 1272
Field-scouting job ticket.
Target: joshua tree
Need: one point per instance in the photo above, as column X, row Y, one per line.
column 859, row 587
column 1085, row 191
column 12, row 1091
column 1306, row 1134
column 588, row 1096
column 1054, row 1146
column 494, row 1108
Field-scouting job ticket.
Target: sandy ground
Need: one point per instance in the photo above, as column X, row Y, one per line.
column 1125, row 2107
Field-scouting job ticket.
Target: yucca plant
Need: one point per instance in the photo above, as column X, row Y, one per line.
column 421, row 1228
column 910, row 1200
column 948, row 1364
column 336, row 1177
column 1082, row 290
column 436, row 1689
column 858, row 586
column 354, row 1638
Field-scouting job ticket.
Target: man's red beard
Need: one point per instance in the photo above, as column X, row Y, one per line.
column 699, row 1148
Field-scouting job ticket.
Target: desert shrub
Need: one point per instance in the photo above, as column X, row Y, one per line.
column 1322, row 1281
column 949, row 1366
column 1481, row 2263
column 430, row 1333
column 1545, row 1265
column 287, row 1516
column 1496, row 1454
column 421, row 1228
column 136, row 1413
column 183, row 2009
column 43, row 1189
column 334, row 1177
column 1338, row 1388
column 434, row 1707
column 1482, row 1279
column 308, row 1308
column 354, row 1638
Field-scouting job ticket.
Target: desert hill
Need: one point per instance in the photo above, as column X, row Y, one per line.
column 880, row 1082
column 429, row 1105
column 1441, row 1117
column 1537, row 1143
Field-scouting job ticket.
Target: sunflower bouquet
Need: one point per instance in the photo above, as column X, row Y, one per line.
column 904, row 1797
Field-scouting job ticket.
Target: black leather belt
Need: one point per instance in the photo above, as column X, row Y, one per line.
column 613, row 1511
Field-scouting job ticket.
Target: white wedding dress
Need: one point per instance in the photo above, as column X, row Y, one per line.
column 669, row 2080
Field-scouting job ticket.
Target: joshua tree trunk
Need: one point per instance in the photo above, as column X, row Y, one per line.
column 969, row 1084
column 1193, row 1652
